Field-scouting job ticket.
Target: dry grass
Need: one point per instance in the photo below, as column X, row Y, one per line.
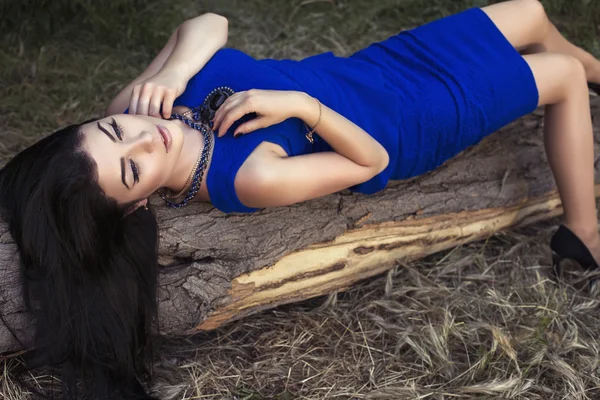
column 480, row 321
column 477, row 322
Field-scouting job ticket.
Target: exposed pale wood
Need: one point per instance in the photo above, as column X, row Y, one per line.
column 219, row 267
column 361, row 253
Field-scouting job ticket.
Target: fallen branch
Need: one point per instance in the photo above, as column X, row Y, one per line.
column 218, row 267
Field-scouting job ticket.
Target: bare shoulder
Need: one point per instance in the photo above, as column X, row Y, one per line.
column 262, row 156
column 254, row 169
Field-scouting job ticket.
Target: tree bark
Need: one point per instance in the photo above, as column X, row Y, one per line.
column 217, row 267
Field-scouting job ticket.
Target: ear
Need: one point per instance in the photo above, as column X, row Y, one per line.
column 141, row 203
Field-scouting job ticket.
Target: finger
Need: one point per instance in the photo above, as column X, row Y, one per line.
column 227, row 105
column 220, row 116
column 155, row 101
column 167, row 105
column 135, row 95
column 249, row 126
column 232, row 116
column 223, row 111
column 144, row 101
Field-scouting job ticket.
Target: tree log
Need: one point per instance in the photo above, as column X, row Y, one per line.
column 218, row 267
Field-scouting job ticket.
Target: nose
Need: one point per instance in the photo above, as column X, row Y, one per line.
column 142, row 143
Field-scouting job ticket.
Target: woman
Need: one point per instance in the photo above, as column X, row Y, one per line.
column 283, row 131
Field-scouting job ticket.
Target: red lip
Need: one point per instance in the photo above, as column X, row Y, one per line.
column 166, row 136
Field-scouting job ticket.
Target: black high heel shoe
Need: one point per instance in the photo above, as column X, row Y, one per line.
column 566, row 245
column 595, row 87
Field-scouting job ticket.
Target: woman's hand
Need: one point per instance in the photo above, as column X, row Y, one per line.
column 189, row 48
column 271, row 107
column 160, row 89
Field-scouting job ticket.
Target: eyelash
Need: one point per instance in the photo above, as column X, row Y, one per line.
column 135, row 169
column 118, row 129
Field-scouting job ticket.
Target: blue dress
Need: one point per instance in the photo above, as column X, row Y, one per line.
column 425, row 94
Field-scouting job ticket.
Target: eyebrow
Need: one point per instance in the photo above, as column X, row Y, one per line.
column 123, row 172
column 111, row 137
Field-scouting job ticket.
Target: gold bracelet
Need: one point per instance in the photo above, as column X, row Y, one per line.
column 309, row 135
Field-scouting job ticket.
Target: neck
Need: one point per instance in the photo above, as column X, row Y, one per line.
column 193, row 143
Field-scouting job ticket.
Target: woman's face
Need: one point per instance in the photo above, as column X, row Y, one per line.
column 132, row 157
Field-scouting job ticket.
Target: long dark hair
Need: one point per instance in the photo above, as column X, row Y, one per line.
column 89, row 275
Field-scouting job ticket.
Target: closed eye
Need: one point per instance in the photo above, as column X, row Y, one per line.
column 135, row 170
column 117, row 128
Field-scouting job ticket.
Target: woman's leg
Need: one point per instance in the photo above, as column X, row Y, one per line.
column 569, row 140
column 526, row 26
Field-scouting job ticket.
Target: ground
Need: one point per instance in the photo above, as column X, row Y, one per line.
column 478, row 321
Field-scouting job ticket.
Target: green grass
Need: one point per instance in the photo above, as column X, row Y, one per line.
column 62, row 61
column 479, row 321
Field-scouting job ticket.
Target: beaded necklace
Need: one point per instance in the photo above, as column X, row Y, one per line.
column 201, row 115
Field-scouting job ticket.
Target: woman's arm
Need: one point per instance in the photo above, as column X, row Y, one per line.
column 188, row 49
column 275, row 181
column 269, row 181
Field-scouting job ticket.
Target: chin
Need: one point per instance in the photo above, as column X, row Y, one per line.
column 177, row 145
